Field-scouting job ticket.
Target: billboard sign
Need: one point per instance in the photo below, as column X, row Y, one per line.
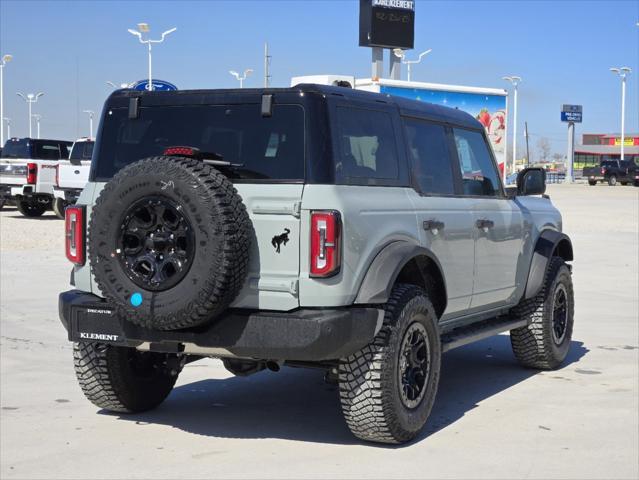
column 571, row 113
column 489, row 109
column 387, row 23
column 158, row 85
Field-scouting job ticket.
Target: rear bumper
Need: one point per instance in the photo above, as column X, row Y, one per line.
column 304, row 335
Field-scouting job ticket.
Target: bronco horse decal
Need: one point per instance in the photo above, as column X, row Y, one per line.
column 279, row 240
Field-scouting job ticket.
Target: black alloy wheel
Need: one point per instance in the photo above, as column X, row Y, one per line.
column 156, row 243
column 414, row 365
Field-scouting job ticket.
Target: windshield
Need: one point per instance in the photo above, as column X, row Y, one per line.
column 16, row 148
column 82, row 151
column 266, row 148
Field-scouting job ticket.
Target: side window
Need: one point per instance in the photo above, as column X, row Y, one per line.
column 430, row 158
column 367, row 145
column 479, row 175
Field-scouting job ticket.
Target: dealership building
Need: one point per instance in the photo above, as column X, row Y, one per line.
column 596, row 147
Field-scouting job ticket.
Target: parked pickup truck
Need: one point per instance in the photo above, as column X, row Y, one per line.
column 28, row 169
column 72, row 175
column 613, row 171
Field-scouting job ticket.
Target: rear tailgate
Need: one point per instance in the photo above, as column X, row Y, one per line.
column 13, row 171
column 274, row 265
column 72, row 176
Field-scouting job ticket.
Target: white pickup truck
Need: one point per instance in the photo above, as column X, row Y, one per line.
column 40, row 174
column 72, row 175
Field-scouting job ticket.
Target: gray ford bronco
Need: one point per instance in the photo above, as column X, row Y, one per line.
column 312, row 226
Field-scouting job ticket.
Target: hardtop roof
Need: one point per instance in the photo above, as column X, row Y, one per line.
column 405, row 105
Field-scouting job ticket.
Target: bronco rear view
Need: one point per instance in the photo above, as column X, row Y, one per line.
column 312, row 226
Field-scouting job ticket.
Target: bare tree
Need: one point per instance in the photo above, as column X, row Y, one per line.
column 557, row 157
column 543, row 147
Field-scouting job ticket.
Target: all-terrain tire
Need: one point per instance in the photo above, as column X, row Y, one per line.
column 121, row 379
column 592, row 183
column 221, row 235
column 535, row 345
column 612, row 180
column 30, row 208
column 58, row 205
column 369, row 380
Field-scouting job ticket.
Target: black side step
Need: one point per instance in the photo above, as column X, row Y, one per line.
column 478, row 331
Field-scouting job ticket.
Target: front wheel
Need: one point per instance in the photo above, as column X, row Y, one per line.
column 58, row 206
column 387, row 389
column 31, row 208
column 612, row 180
column 545, row 342
column 123, row 379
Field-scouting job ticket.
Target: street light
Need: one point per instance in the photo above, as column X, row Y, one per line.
column 90, row 113
column 3, row 62
column 37, row 119
column 514, row 80
column 144, row 28
column 241, row 78
column 8, row 122
column 398, row 52
column 122, row 85
column 30, row 99
column 622, row 72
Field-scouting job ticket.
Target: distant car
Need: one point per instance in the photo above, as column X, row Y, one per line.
column 72, row 175
column 28, row 169
column 613, row 171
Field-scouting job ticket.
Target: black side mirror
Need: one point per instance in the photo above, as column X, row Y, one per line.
column 531, row 181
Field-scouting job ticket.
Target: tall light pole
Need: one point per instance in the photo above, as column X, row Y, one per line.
column 3, row 62
column 30, row 99
column 90, row 113
column 241, row 78
column 8, row 122
column 398, row 52
column 37, row 117
column 622, row 72
column 144, row 28
column 514, row 80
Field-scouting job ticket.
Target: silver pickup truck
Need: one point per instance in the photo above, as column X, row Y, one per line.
column 312, row 226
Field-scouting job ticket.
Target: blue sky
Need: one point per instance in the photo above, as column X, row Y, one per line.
column 562, row 49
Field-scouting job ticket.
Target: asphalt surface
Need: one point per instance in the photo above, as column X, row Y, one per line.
column 492, row 419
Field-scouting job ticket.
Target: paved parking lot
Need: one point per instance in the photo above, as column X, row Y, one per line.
column 492, row 419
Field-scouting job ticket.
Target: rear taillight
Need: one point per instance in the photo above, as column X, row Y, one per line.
column 74, row 233
column 32, row 173
column 326, row 231
column 603, row 170
column 57, row 175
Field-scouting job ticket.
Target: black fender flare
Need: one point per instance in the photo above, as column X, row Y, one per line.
column 385, row 268
column 549, row 243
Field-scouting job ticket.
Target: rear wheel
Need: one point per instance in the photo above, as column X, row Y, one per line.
column 58, row 207
column 545, row 342
column 612, row 180
column 31, row 208
column 122, row 379
column 592, row 182
column 387, row 389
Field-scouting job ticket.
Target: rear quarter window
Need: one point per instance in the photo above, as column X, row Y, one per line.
column 367, row 148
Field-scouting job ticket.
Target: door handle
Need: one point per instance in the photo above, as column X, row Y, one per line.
column 484, row 224
column 433, row 226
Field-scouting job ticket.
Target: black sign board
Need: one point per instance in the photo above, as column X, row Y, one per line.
column 387, row 23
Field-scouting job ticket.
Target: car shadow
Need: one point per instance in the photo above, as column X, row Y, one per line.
column 45, row 216
column 296, row 404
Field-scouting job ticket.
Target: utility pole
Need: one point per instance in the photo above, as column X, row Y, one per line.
column 30, row 99
column 90, row 113
column 622, row 72
column 527, row 149
column 8, row 121
column 267, row 64
column 514, row 80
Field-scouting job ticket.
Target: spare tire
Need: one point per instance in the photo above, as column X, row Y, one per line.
column 169, row 242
